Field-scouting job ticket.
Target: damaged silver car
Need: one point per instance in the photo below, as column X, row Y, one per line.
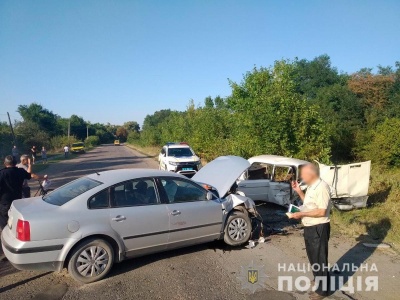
column 93, row 222
column 269, row 179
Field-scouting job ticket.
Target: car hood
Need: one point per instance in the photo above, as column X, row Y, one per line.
column 222, row 172
column 184, row 158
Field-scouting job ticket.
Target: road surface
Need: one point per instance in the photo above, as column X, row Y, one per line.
column 210, row 271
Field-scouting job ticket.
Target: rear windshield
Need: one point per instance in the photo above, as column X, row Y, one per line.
column 180, row 152
column 70, row 191
column 77, row 145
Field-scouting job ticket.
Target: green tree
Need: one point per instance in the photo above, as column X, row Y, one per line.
column 132, row 126
column 37, row 114
column 274, row 118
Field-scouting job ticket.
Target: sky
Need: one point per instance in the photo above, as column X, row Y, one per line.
column 117, row 61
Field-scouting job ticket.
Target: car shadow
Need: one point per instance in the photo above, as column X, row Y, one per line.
column 136, row 263
column 379, row 196
column 16, row 284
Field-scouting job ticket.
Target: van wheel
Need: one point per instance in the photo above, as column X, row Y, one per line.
column 91, row 261
column 237, row 228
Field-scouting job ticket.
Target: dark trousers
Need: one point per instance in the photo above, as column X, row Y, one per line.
column 4, row 208
column 26, row 192
column 316, row 239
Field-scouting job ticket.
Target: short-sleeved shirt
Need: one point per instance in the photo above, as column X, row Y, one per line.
column 66, row 149
column 317, row 196
column 11, row 181
column 25, row 167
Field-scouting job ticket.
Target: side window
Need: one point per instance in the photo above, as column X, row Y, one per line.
column 134, row 193
column 259, row 171
column 179, row 190
column 100, row 200
column 283, row 174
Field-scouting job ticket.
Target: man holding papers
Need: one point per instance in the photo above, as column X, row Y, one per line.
column 314, row 215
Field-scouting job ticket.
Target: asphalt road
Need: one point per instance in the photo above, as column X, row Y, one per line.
column 210, row 271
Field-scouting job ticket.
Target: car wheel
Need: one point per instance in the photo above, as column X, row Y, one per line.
column 237, row 228
column 91, row 261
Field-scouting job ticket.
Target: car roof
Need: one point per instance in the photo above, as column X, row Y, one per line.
column 115, row 176
column 278, row 160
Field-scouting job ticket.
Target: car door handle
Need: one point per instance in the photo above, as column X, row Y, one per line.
column 119, row 218
column 175, row 213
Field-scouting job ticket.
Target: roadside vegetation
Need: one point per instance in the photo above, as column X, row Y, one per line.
column 40, row 127
column 308, row 110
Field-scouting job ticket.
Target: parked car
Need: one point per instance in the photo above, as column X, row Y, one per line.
column 179, row 158
column 269, row 179
column 95, row 221
column 117, row 143
column 78, row 147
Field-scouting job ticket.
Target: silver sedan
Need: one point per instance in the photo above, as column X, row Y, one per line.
column 93, row 222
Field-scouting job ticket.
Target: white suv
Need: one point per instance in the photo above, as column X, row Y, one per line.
column 179, row 158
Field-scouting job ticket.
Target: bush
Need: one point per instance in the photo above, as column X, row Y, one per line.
column 384, row 147
column 92, row 140
column 133, row 137
column 58, row 142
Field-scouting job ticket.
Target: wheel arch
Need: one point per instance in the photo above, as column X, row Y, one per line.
column 114, row 244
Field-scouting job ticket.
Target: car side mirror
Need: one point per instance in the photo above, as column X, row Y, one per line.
column 210, row 196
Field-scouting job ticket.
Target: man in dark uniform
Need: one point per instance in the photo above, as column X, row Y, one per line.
column 11, row 181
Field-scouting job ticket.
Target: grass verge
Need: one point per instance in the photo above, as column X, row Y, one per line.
column 151, row 151
column 51, row 159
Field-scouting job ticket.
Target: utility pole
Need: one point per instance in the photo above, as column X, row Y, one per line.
column 11, row 127
column 69, row 128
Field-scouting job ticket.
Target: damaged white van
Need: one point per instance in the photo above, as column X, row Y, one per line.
column 269, row 179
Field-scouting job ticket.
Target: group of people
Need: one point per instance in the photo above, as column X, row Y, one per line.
column 14, row 183
column 33, row 154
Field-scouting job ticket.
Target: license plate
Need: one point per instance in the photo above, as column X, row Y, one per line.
column 187, row 169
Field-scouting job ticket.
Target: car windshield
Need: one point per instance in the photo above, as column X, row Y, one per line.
column 77, row 145
column 180, row 152
column 70, row 191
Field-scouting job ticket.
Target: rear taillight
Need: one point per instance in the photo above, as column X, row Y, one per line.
column 23, row 231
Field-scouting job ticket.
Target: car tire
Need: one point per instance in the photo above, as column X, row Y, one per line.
column 237, row 228
column 95, row 268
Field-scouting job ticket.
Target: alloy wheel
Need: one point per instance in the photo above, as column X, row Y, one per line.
column 92, row 261
column 237, row 229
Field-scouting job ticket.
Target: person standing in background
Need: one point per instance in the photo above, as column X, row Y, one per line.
column 33, row 153
column 15, row 153
column 44, row 155
column 11, row 180
column 66, row 150
column 25, row 164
